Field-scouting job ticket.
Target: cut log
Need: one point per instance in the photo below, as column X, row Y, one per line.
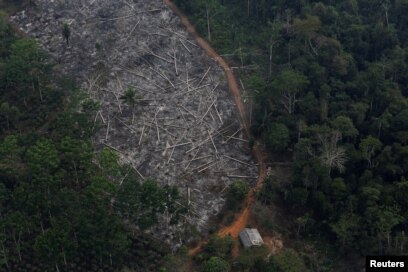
column 238, row 160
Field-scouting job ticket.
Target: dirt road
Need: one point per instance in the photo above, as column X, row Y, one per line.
column 241, row 219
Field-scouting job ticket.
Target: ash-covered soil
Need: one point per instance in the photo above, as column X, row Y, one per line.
column 184, row 129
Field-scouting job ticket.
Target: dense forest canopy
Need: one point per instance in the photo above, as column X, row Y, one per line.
column 330, row 81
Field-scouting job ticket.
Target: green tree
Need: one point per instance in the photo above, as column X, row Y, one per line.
column 238, row 190
column 368, row 147
column 6, row 35
column 90, row 106
column 324, row 94
column 302, row 222
column 211, row 8
column 288, row 83
column 345, row 125
column 42, row 158
column 10, row 149
column 236, row 193
column 287, row 261
column 4, row 250
column 400, row 121
column 66, row 33
column 99, row 232
column 28, row 67
column 54, row 244
column 401, row 194
column 346, row 228
column 77, row 157
column 250, row 257
column 219, row 246
column 298, row 196
column 307, row 29
column 277, row 137
column 9, row 113
column 267, row 194
column 141, row 203
column 130, row 97
column 17, row 226
column 358, row 112
column 109, row 164
column 215, row 264
column 388, row 219
column 338, row 189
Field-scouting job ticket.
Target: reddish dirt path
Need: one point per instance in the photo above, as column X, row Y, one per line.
column 241, row 219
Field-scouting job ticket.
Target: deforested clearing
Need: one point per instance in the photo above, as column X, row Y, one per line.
column 165, row 105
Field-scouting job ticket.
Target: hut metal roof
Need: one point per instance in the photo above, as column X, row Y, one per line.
column 250, row 237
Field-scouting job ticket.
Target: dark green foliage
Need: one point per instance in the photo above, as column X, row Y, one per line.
column 215, row 264
column 236, row 194
column 142, row 203
column 298, row 196
column 238, row 190
column 6, row 37
column 345, row 126
column 249, row 257
column 268, row 192
column 26, row 64
column 57, row 197
column 129, row 97
column 286, row 261
column 66, row 33
column 277, row 137
column 27, row 98
column 216, row 247
column 52, row 213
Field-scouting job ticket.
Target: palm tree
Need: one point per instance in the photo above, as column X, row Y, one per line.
column 130, row 97
column 66, row 33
